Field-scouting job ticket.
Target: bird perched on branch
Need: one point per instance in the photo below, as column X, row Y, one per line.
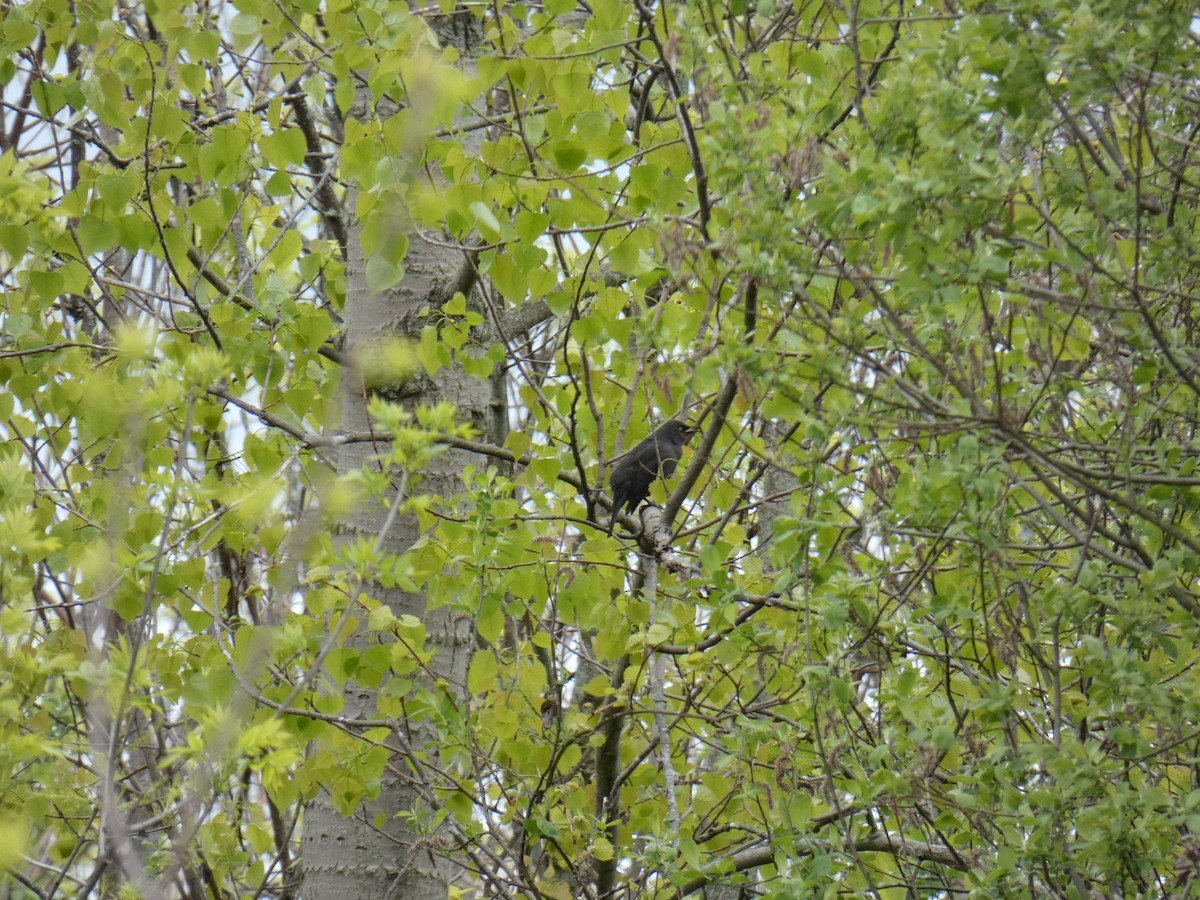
column 658, row 454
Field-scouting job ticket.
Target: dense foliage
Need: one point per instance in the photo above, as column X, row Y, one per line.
column 926, row 615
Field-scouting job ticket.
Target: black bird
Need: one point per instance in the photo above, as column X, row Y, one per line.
column 632, row 476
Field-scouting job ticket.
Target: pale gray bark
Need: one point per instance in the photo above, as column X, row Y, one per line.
column 351, row 857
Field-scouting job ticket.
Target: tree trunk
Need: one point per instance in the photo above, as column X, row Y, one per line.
column 380, row 852
column 352, row 857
